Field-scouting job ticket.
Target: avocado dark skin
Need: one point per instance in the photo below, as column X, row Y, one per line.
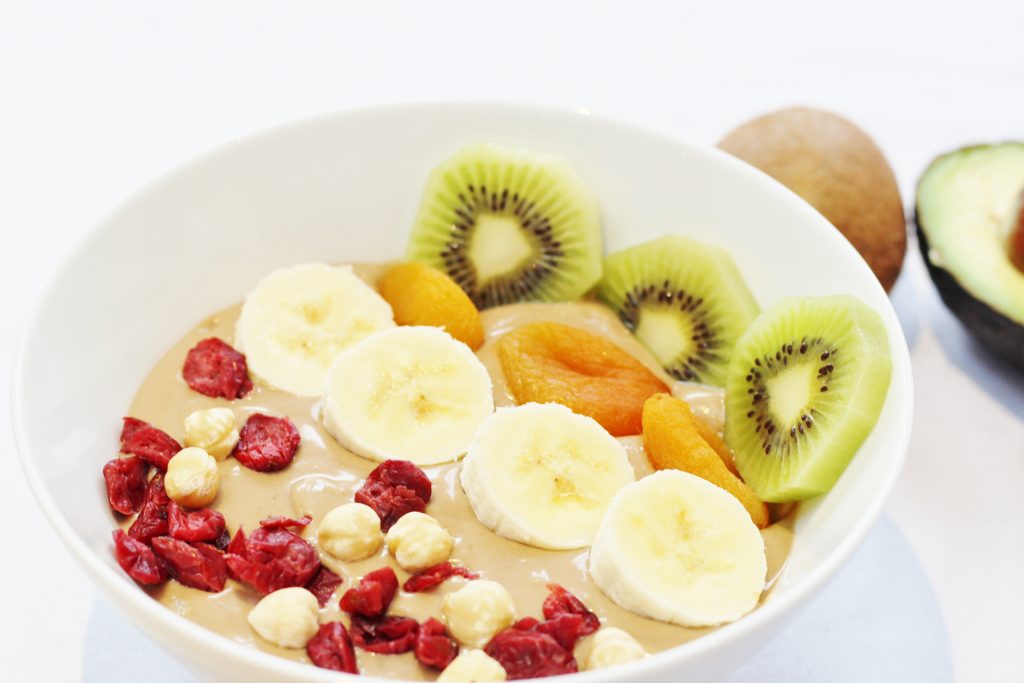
column 993, row 329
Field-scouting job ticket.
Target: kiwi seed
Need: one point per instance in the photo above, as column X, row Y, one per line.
column 774, row 437
column 684, row 299
column 509, row 288
column 805, row 385
column 508, row 225
column 705, row 343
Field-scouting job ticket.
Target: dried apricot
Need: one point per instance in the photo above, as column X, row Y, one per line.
column 553, row 363
column 672, row 440
column 715, row 441
column 421, row 295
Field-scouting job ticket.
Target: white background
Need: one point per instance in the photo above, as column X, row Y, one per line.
column 98, row 97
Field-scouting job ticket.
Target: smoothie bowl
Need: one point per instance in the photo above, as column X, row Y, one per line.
column 462, row 392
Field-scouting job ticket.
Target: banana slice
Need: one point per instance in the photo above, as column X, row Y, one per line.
column 298, row 319
column 412, row 393
column 677, row 548
column 542, row 475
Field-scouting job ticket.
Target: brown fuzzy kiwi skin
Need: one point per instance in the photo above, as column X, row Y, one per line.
column 836, row 168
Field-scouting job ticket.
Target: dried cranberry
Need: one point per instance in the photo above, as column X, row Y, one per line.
column 281, row 522
column 435, row 576
column 152, row 518
column 266, row 443
column 561, row 603
column 199, row 525
column 138, row 560
column 196, row 565
column 567, row 619
column 129, row 426
column 222, row 541
column 402, row 473
column 215, row 369
column 526, row 624
column 387, row 636
column 152, row 445
column 372, row 596
column 239, row 545
column 434, row 648
column 566, row 629
column 126, row 483
column 323, row 585
column 529, row 654
column 393, row 489
column 390, row 503
column 271, row 559
column 331, row 648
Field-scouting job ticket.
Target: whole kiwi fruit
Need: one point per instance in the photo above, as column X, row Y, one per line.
column 836, row 168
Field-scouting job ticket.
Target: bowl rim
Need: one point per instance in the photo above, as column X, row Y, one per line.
column 126, row 595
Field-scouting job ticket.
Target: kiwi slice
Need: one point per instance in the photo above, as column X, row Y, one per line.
column 509, row 225
column 805, row 385
column 684, row 299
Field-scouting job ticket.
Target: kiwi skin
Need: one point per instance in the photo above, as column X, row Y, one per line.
column 836, row 168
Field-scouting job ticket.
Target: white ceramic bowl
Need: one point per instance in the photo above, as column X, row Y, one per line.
column 344, row 187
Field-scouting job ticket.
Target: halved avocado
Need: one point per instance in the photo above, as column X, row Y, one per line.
column 970, row 225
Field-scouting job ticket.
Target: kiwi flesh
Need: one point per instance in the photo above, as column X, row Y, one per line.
column 509, row 225
column 684, row 299
column 806, row 384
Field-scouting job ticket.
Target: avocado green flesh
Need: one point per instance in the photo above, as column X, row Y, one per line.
column 965, row 202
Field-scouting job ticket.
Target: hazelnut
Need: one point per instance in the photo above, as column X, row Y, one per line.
column 192, row 479
column 478, row 611
column 214, row 430
column 350, row 532
column 287, row 618
column 472, row 666
column 613, row 646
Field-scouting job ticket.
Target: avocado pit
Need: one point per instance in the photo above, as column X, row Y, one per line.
column 1015, row 243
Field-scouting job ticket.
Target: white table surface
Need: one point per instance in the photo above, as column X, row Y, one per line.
column 97, row 97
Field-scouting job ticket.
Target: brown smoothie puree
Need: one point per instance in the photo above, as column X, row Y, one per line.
column 324, row 475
